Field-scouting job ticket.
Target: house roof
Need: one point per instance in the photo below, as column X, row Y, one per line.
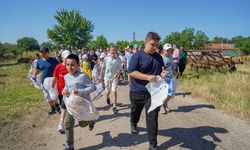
column 220, row 47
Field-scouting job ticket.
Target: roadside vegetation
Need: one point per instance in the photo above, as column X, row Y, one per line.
column 17, row 93
column 226, row 90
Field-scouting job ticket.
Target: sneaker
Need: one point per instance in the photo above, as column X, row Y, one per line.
column 108, row 101
column 61, row 128
column 52, row 111
column 134, row 129
column 153, row 147
column 91, row 125
column 115, row 111
column 68, row 147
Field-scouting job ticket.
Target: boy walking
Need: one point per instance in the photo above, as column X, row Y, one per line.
column 79, row 84
column 144, row 66
column 110, row 71
column 46, row 65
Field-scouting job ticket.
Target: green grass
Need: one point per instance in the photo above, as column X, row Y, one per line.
column 17, row 95
column 228, row 91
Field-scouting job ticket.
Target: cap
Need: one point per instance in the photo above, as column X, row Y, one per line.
column 85, row 56
column 135, row 46
column 65, row 53
column 167, row 46
column 44, row 49
column 102, row 55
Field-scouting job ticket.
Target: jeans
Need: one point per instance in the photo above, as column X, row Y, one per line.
column 138, row 101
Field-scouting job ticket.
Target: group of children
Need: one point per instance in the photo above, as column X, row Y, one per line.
column 75, row 76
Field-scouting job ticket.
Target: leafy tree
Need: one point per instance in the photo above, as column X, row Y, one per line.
column 72, row 30
column 219, row 40
column 242, row 43
column 100, row 42
column 49, row 45
column 26, row 44
column 2, row 50
column 121, row 44
column 139, row 43
column 187, row 38
column 200, row 40
column 173, row 38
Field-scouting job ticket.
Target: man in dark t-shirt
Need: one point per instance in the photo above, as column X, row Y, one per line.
column 144, row 66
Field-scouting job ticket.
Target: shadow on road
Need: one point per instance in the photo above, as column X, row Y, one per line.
column 190, row 138
column 191, row 108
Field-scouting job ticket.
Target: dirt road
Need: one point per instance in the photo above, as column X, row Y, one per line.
column 192, row 124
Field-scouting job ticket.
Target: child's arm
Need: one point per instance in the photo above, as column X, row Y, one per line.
column 89, row 86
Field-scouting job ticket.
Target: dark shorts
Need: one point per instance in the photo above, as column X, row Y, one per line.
column 61, row 101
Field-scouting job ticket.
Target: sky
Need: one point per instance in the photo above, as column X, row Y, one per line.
column 118, row 19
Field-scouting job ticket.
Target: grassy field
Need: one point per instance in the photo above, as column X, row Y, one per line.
column 17, row 95
column 228, row 91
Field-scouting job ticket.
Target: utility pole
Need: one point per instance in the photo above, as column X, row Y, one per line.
column 133, row 36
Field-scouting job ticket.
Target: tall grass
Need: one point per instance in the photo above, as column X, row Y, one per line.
column 229, row 91
column 17, row 95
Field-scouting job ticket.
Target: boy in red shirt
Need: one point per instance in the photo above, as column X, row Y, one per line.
column 59, row 73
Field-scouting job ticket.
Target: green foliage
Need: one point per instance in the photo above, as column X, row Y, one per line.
column 200, row 40
column 219, row 40
column 2, row 50
column 121, row 44
column 139, row 43
column 26, row 44
column 72, row 30
column 100, row 42
column 188, row 39
column 49, row 45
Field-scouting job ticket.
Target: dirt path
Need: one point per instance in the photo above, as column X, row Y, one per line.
column 193, row 124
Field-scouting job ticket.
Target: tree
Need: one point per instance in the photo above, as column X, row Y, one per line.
column 187, row 38
column 173, row 38
column 26, row 44
column 72, row 30
column 121, row 45
column 139, row 43
column 219, row 40
column 200, row 40
column 100, row 42
column 49, row 45
column 2, row 50
column 242, row 43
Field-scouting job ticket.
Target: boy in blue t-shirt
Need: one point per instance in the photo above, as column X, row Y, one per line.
column 144, row 66
column 46, row 65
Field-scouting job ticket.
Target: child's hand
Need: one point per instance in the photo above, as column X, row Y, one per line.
column 76, row 91
column 164, row 73
column 66, row 94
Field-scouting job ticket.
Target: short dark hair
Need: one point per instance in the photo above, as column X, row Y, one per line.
column 44, row 49
column 73, row 56
column 152, row 36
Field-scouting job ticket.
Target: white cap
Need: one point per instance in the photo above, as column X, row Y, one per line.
column 167, row 46
column 85, row 56
column 65, row 53
column 102, row 55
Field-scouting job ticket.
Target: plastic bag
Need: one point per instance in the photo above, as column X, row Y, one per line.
column 37, row 83
column 99, row 89
column 47, row 84
column 81, row 109
column 158, row 91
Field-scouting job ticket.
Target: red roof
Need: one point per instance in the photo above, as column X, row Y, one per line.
column 220, row 47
